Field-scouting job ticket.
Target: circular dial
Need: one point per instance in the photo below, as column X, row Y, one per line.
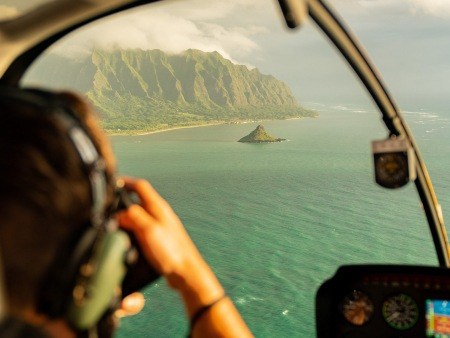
column 357, row 308
column 391, row 169
column 400, row 311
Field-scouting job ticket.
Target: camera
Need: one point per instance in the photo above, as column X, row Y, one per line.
column 140, row 273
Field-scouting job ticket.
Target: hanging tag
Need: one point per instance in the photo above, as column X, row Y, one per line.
column 394, row 162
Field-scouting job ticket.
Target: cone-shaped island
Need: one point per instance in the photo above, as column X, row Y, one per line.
column 259, row 135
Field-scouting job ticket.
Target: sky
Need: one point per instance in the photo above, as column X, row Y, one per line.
column 408, row 40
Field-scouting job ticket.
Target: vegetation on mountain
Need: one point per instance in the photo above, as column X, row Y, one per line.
column 138, row 91
column 259, row 135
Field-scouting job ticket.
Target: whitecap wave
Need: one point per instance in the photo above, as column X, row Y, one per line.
column 247, row 299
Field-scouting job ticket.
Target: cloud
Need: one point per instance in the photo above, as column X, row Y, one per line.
column 434, row 8
column 438, row 8
column 172, row 29
column 374, row 4
column 209, row 10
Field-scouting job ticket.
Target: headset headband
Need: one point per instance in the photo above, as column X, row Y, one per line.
column 92, row 162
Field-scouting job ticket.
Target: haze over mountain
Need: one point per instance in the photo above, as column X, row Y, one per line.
column 137, row 90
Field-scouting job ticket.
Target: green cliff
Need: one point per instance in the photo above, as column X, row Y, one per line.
column 259, row 135
column 137, row 90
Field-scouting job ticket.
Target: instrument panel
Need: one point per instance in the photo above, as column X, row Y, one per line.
column 364, row 301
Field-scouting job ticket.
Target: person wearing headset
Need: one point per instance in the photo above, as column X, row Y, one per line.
column 67, row 248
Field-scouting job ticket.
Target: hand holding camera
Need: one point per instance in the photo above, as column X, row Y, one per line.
column 167, row 246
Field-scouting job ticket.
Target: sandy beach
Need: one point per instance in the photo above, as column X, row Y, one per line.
column 140, row 133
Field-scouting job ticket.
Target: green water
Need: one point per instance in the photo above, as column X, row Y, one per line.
column 275, row 220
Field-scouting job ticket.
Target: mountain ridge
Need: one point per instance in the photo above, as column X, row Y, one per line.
column 146, row 90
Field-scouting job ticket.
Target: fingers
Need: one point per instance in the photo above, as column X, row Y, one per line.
column 145, row 228
column 131, row 305
column 149, row 197
column 135, row 218
column 157, row 228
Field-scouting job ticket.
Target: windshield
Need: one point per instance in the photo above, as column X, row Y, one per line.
column 178, row 84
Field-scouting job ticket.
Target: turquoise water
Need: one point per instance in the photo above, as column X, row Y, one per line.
column 275, row 220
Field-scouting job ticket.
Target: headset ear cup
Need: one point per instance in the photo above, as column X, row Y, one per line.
column 94, row 293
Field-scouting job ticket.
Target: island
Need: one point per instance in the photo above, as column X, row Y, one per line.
column 259, row 135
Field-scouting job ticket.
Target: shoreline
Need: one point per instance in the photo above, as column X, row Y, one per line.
column 142, row 133
column 180, row 127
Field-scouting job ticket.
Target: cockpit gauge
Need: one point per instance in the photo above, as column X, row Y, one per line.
column 400, row 311
column 394, row 162
column 357, row 308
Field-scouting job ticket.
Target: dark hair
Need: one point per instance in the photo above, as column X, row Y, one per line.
column 45, row 195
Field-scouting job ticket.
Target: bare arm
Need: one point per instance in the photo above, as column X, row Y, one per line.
column 171, row 251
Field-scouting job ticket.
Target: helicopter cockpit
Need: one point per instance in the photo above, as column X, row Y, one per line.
column 178, row 83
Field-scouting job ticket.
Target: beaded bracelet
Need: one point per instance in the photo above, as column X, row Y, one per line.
column 201, row 311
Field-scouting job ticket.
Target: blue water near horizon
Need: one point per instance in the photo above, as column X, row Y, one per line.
column 276, row 220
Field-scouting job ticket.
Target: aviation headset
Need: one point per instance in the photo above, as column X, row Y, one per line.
column 82, row 286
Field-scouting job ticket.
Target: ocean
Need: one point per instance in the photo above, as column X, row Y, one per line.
column 275, row 220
